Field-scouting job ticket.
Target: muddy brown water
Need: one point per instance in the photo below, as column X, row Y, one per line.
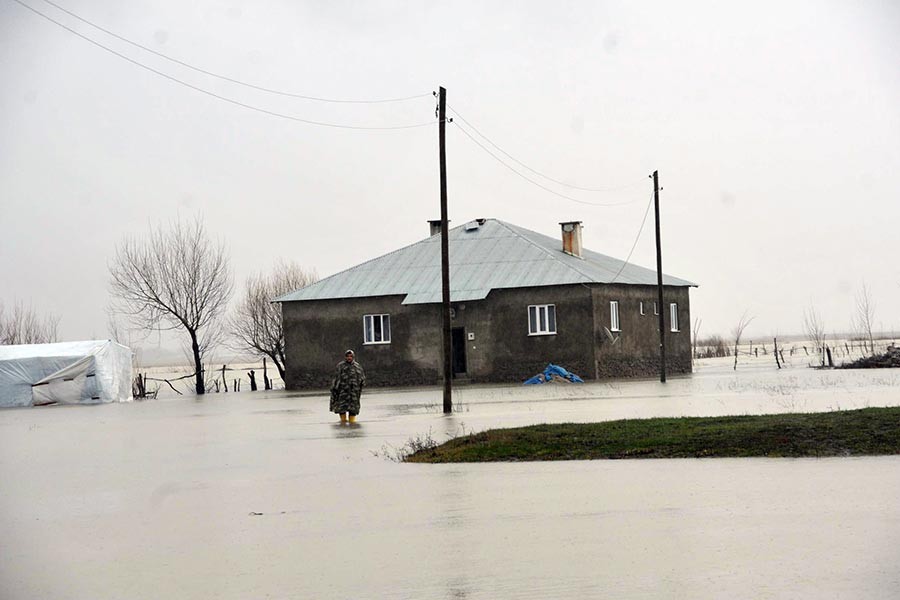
column 262, row 495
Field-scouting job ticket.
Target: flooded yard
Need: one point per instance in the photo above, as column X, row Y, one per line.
column 263, row 495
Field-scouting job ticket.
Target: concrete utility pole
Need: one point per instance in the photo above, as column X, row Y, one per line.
column 445, row 254
column 659, row 283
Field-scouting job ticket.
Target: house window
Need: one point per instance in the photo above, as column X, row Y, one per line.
column 614, row 316
column 377, row 329
column 655, row 308
column 642, row 308
column 542, row 319
column 673, row 317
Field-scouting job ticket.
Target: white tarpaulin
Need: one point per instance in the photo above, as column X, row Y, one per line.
column 67, row 373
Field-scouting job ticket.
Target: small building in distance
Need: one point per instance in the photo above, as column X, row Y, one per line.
column 519, row 299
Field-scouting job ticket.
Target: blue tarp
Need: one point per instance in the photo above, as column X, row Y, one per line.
column 552, row 370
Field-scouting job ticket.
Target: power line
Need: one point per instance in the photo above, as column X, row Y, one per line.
column 213, row 94
column 532, row 181
column 224, row 77
column 636, row 238
column 536, row 172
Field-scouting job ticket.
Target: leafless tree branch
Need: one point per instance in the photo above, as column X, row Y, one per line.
column 865, row 315
column 737, row 332
column 23, row 325
column 256, row 322
column 814, row 327
column 695, row 336
column 174, row 278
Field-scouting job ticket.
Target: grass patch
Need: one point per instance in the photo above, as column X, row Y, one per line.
column 865, row 432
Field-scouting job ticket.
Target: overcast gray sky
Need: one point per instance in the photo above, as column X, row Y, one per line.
column 774, row 125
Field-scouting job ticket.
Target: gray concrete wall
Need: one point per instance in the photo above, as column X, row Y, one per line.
column 636, row 351
column 504, row 351
column 318, row 332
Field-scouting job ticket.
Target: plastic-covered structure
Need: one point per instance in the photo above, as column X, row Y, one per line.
column 90, row 372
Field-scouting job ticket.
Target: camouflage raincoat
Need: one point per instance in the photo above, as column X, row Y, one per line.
column 346, row 388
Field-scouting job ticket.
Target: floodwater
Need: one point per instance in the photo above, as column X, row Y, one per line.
column 262, row 495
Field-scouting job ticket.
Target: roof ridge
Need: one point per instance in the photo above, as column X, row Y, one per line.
column 365, row 262
column 548, row 252
column 500, row 255
column 595, row 263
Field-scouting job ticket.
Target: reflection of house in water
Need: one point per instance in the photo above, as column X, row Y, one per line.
column 519, row 300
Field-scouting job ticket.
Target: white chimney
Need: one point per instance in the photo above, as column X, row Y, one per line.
column 434, row 227
column 571, row 238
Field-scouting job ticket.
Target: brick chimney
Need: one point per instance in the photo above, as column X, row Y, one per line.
column 571, row 238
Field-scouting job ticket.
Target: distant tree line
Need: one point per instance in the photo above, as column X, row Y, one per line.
column 22, row 324
column 814, row 329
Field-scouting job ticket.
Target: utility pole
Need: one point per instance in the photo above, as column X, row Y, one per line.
column 445, row 253
column 659, row 283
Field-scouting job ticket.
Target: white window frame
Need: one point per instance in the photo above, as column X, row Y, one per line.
column 381, row 319
column 655, row 308
column 614, row 324
column 642, row 307
column 673, row 318
column 542, row 310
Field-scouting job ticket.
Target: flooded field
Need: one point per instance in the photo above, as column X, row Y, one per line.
column 263, row 495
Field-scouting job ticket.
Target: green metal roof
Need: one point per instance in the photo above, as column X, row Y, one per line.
column 484, row 255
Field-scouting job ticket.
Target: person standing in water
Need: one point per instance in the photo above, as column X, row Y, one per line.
column 346, row 388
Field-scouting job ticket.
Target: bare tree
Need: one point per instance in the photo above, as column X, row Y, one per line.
column 814, row 327
column 256, row 323
column 115, row 329
column 175, row 278
column 23, row 325
column 737, row 332
column 696, row 336
column 212, row 337
column 865, row 315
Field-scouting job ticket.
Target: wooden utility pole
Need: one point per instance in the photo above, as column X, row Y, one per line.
column 659, row 283
column 445, row 253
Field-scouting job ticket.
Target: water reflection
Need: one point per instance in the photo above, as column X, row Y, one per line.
column 348, row 430
column 245, row 495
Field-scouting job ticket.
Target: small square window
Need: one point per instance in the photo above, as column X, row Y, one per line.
column 542, row 319
column 377, row 329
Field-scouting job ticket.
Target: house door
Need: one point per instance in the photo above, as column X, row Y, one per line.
column 458, row 350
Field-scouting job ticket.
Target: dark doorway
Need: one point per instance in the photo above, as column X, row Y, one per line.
column 458, row 350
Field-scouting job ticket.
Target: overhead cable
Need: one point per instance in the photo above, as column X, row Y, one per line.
column 636, row 238
column 225, row 77
column 213, row 94
column 535, row 171
column 532, row 181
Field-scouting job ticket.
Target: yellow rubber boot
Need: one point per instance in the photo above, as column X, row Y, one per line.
column 343, row 418
column 352, row 419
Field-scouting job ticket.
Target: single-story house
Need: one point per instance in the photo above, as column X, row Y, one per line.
column 519, row 300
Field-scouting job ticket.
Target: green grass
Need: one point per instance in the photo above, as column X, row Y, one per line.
column 870, row 431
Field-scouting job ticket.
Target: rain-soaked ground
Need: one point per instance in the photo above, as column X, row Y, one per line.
column 262, row 495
